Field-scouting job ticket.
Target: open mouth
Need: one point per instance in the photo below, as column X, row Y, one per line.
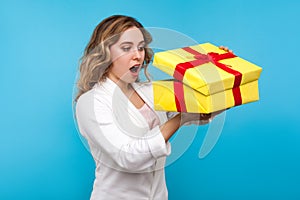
column 134, row 69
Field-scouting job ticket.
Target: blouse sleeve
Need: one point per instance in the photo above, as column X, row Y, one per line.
column 131, row 153
column 171, row 114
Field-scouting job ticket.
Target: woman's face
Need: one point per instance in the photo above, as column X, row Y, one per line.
column 127, row 56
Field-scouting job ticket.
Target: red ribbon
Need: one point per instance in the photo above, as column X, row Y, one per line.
column 201, row 59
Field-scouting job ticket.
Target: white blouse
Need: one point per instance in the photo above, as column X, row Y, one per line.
column 128, row 148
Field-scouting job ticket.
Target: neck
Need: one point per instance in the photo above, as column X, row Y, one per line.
column 124, row 86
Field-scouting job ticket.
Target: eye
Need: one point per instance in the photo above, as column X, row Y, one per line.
column 126, row 48
column 141, row 48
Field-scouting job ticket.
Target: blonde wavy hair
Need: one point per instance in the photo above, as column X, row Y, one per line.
column 96, row 60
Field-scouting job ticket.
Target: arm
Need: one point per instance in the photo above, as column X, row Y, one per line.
column 181, row 119
column 170, row 127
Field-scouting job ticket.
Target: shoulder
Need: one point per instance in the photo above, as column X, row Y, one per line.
column 144, row 87
column 85, row 98
column 97, row 95
column 145, row 90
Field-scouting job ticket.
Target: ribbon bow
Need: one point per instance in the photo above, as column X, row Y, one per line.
column 201, row 59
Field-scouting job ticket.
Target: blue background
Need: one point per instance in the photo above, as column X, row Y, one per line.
column 41, row 155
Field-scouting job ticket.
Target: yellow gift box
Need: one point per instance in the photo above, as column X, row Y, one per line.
column 213, row 79
column 206, row 68
column 173, row 95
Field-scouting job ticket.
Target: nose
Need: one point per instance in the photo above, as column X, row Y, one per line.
column 137, row 55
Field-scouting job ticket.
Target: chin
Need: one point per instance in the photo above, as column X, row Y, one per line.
column 132, row 80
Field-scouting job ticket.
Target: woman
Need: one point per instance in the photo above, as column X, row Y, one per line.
column 127, row 138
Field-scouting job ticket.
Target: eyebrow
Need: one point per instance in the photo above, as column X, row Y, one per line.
column 127, row 42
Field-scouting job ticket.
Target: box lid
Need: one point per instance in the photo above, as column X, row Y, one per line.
column 206, row 68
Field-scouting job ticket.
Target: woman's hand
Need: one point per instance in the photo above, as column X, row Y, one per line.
column 225, row 49
column 198, row 118
column 171, row 126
